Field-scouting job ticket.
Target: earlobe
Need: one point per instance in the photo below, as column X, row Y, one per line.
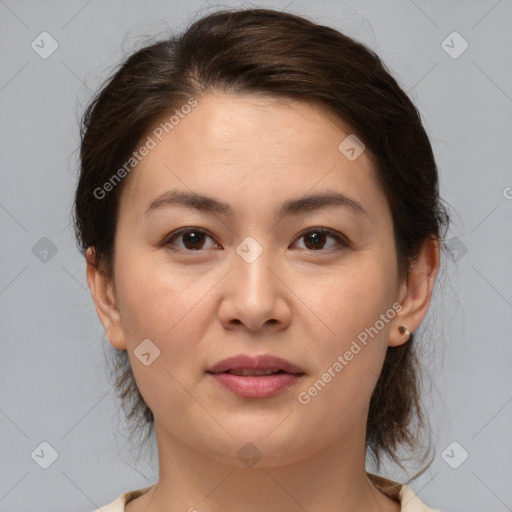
column 399, row 335
column 415, row 293
column 403, row 330
column 102, row 291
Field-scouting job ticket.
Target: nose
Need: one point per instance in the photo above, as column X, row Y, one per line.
column 255, row 295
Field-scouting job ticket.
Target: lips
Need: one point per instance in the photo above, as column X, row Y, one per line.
column 251, row 372
column 260, row 376
column 247, row 365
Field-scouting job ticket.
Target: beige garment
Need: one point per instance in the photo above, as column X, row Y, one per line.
column 401, row 493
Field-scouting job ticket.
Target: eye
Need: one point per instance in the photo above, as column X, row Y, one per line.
column 193, row 239
column 315, row 239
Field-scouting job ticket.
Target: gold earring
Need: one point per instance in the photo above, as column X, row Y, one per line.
column 404, row 330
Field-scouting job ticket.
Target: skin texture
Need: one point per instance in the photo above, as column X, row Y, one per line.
column 301, row 304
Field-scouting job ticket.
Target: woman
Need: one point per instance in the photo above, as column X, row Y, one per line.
column 259, row 211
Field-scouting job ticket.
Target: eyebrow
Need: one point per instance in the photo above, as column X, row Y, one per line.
column 296, row 206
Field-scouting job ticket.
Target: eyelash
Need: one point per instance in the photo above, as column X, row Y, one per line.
column 342, row 241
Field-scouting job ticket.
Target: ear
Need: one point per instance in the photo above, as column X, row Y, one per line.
column 102, row 291
column 415, row 292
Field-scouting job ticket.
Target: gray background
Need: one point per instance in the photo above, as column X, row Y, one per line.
column 53, row 385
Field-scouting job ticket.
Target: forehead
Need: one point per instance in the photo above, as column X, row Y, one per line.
column 239, row 147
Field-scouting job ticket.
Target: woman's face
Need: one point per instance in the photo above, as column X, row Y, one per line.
column 253, row 278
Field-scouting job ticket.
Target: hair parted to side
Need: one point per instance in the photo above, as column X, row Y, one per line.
column 275, row 54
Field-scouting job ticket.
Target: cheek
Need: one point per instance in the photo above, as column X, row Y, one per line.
column 350, row 300
column 168, row 307
column 156, row 300
column 355, row 307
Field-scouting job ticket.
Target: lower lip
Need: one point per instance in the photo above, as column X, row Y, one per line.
column 257, row 386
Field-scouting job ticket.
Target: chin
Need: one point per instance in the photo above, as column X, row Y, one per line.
column 252, row 447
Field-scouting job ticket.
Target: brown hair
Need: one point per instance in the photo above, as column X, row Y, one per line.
column 264, row 51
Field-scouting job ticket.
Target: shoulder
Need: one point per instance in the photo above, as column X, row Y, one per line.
column 401, row 493
column 118, row 504
column 411, row 503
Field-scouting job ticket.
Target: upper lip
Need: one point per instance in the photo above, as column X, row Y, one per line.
column 259, row 362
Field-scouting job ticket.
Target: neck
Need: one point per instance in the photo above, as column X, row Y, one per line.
column 330, row 479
